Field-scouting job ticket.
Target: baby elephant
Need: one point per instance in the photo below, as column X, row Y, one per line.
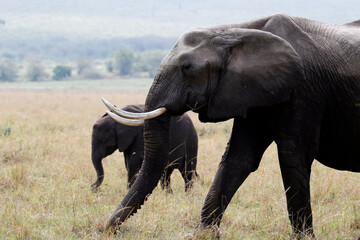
column 108, row 135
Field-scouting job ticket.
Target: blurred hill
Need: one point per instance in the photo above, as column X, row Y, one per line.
column 43, row 27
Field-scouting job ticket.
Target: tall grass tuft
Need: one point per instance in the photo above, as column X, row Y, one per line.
column 5, row 131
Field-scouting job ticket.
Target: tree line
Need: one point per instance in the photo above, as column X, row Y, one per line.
column 124, row 62
column 60, row 48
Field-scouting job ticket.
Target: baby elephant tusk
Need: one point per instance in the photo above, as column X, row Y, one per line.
column 125, row 121
column 132, row 115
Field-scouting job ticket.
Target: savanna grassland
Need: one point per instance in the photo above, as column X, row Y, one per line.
column 46, row 172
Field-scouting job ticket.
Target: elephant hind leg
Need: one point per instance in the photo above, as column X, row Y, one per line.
column 296, row 158
column 189, row 173
column 165, row 180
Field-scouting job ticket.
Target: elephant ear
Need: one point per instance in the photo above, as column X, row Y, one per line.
column 126, row 135
column 260, row 69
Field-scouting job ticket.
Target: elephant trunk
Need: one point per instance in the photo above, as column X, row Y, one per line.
column 156, row 144
column 97, row 162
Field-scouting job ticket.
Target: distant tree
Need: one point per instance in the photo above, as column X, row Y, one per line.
column 36, row 72
column 109, row 66
column 84, row 64
column 124, row 60
column 2, row 22
column 61, row 72
column 86, row 68
column 8, row 71
column 91, row 73
column 149, row 61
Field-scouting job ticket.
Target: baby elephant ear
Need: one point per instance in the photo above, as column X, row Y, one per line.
column 260, row 69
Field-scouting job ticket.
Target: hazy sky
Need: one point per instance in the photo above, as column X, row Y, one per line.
column 108, row 18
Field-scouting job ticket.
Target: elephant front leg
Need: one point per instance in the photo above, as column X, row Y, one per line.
column 223, row 188
column 133, row 165
column 295, row 163
column 242, row 156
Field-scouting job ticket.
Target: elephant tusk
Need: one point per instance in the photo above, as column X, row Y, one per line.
column 132, row 115
column 125, row 121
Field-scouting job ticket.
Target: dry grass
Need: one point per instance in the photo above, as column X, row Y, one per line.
column 46, row 172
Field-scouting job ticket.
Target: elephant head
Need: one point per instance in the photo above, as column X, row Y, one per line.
column 219, row 73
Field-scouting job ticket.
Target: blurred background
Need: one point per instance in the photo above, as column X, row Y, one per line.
column 88, row 39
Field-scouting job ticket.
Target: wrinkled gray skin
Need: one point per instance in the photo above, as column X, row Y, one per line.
column 288, row 80
column 108, row 135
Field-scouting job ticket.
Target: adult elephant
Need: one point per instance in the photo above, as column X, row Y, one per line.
column 285, row 79
column 109, row 136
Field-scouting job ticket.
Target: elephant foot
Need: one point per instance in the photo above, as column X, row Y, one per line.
column 188, row 190
column 169, row 191
column 204, row 232
column 302, row 235
column 189, row 186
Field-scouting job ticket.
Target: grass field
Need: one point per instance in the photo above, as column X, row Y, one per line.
column 46, row 172
column 125, row 84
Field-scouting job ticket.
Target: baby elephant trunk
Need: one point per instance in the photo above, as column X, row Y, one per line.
column 97, row 162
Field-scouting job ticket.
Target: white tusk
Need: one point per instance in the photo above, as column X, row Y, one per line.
column 125, row 121
column 132, row 115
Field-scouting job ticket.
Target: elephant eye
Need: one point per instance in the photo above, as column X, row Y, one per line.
column 186, row 65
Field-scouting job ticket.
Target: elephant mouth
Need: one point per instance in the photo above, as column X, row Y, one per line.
column 199, row 107
column 196, row 102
